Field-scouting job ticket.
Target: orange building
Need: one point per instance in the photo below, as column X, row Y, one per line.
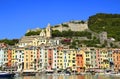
column 79, row 62
column 9, row 57
column 116, row 59
column 29, row 59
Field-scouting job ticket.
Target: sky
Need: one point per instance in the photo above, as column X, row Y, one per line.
column 17, row 16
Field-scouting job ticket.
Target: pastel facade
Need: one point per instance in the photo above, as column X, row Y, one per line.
column 79, row 62
column 110, row 58
column 55, row 58
column 9, row 57
column 5, row 57
column 43, row 57
column 60, row 56
column 14, row 60
column 87, row 59
column 1, row 56
column 30, row 55
column 20, row 58
column 38, row 59
column 72, row 59
column 116, row 59
column 104, row 58
column 50, row 59
column 93, row 58
column 98, row 58
column 65, row 58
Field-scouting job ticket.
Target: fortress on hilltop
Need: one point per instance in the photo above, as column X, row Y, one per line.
column 72, row 25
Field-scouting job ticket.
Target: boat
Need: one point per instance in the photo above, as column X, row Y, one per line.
column 114, row 74
column 6, row 74
column 28, row 74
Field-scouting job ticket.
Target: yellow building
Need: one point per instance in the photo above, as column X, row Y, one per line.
column 60, row 58
column 14, row 59
column 71, row 59
column 104, row 59
column 30, row 55
column 87, row 56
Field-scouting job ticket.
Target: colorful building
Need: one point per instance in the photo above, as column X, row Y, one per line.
column 9, row 57
column 116, row 59
column 80, row 61
column 19, row 56
column 60, row 58
column 104, row 58
column 1, row 57
column 30, row 54
column 50, row 59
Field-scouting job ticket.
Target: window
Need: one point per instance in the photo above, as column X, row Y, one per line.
column 87, row 59
column 27, row 65
column 73, row 61
column 73, row 54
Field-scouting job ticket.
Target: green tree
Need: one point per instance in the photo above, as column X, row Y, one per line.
column 9, row 41
column 32, row 33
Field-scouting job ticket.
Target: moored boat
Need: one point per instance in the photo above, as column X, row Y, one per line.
column 28, row 74
column 6, row 75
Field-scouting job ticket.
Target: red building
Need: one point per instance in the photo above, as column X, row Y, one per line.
column 50, row 59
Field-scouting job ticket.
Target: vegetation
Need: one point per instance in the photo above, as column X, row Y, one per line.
column 75, row 44
column 65, row 25
column 69, row 33
column 9, row 42
column 32, row 33
column 56, row 26
column 91, row 43
column 78, row 22
column 105, row 22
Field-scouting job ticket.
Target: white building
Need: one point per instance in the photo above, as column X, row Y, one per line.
column 20, row 58
column 1, row 57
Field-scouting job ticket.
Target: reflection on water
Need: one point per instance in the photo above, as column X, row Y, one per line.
column 68, row 77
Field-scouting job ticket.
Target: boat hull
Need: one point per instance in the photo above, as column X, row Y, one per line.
column 28, row 74
column 7, row 75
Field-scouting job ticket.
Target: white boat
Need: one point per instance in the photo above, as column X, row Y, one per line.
column 115, row 74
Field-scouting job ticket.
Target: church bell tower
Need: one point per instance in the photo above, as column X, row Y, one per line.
column 48, row 31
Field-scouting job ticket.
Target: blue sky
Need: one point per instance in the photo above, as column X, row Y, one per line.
column 17, row 16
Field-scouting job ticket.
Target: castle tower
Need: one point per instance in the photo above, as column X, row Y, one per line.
column 48, row 31
column 42, row 33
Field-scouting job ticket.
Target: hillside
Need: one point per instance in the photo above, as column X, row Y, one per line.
column 105, row 22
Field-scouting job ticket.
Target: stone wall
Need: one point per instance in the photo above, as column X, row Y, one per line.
column 72, row 27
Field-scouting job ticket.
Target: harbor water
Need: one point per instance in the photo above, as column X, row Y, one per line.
column 68, row 77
